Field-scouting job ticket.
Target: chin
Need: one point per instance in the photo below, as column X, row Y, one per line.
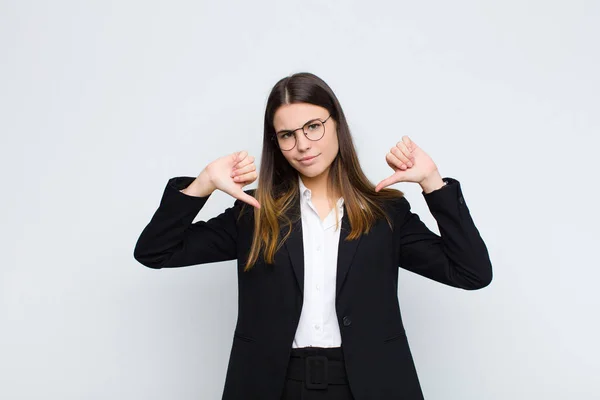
column 309, row 172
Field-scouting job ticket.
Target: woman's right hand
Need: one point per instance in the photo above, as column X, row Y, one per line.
column 231, row 173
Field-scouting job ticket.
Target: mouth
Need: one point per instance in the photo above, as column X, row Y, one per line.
column 308, row 160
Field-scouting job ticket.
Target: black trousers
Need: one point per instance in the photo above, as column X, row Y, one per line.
column 316, row 373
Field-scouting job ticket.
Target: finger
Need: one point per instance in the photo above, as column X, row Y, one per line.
column 235, row 156
column 394, row 161
column 246, row 198
column 249, row 177
column 239, row 156
column 244, row 162
column 403, row 159
column 409, row 143
column 407, row 147
column 404, row 153
column 243, row 170
column 384, row 183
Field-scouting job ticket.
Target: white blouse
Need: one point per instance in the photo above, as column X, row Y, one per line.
column 318, row 325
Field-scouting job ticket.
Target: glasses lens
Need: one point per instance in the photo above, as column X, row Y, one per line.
column 314, row 130
column 286, row 140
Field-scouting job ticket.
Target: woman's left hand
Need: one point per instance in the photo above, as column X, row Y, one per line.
column 409, row 162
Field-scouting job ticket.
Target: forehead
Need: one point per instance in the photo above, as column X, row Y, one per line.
column 292, row 116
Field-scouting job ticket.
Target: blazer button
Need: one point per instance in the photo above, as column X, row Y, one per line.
column 461, row 200
column 347, row 321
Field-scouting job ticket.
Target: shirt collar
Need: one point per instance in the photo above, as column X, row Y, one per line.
column 306, row 193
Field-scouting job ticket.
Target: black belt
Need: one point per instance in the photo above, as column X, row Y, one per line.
column 317, row 367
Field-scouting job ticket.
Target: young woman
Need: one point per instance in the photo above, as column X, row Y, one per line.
column 318, row 249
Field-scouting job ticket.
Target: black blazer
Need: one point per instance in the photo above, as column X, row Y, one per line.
column 377, row 355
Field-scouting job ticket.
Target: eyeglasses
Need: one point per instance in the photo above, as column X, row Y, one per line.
column 314, row 130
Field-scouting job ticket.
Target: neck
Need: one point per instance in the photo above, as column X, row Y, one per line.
column 318, row 185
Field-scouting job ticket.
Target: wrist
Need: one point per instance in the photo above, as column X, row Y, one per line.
column 202, row 186
column 432, row 182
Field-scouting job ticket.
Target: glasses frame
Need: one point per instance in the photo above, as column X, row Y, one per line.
column 323, row 121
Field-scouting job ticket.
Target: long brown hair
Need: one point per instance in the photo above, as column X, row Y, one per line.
column 278, row 188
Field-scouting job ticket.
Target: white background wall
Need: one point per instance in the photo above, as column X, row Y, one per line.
column 102, row 102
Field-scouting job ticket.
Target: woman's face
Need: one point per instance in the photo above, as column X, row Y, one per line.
column 323, row 151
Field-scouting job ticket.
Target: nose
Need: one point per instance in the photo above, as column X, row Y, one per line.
column 302, row 142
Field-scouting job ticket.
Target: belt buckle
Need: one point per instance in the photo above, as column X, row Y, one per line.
column 316, row 372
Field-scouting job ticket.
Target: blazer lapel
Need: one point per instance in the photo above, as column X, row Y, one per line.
column 346, row 250
column 295, row 249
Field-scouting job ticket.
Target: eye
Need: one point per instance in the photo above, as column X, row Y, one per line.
column 285, row 135
column 314, row 125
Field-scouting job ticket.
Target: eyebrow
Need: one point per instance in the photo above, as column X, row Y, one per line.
column 289, row 130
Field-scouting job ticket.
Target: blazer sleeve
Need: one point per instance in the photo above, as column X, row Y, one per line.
column 171, row 239
column 459, row 257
